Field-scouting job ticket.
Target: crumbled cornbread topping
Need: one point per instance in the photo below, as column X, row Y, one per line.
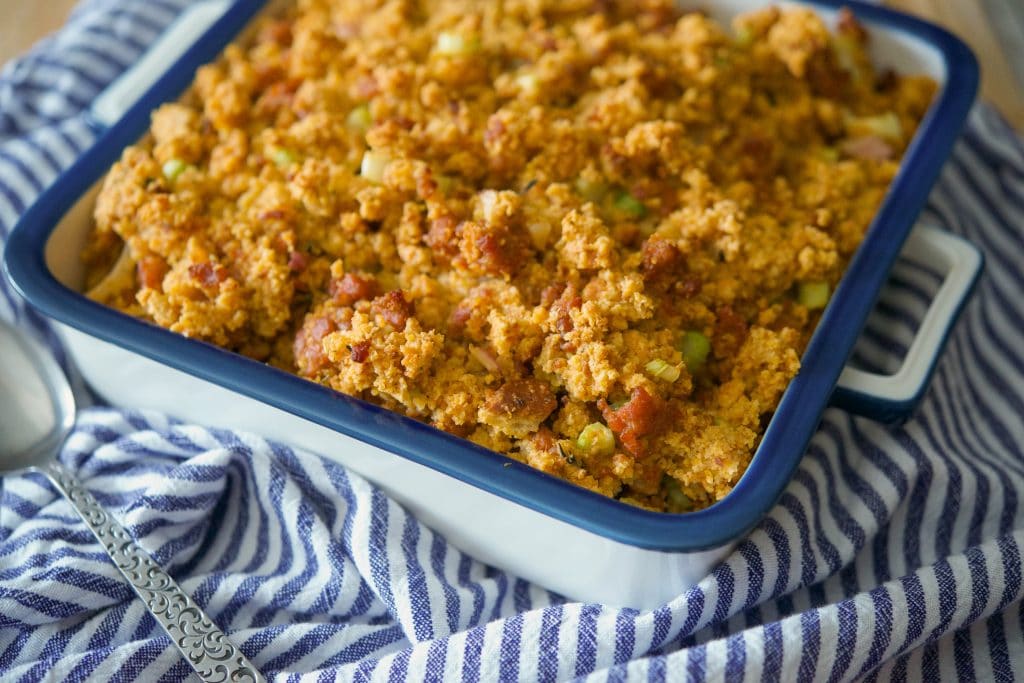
column 594, row 235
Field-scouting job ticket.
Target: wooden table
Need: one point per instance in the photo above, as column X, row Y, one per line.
column 968, row 19
column 22, row 22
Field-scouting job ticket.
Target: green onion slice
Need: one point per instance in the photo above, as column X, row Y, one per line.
column 662, row 370
column 596, row 439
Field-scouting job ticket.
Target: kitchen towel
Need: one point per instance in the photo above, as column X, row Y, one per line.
column 895, row 553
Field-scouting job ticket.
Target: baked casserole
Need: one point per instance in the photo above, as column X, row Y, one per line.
column 594, row 236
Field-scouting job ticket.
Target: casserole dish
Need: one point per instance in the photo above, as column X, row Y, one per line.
column 540, row 528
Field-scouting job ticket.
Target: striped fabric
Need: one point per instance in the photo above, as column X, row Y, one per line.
column 894, row 554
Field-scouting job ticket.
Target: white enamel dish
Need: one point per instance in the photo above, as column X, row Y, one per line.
column 582, row 545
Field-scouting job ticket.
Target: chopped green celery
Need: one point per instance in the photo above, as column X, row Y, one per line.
column 813, row 295
column 359, row 119
column 283, row 157
column 695, row 348
column 628, row 204
column 373, row 166
column 456, row 45
column 173, row 168
column 677, row 500
column 662, row 370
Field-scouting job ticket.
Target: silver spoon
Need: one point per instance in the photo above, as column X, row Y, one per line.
column 37, row 411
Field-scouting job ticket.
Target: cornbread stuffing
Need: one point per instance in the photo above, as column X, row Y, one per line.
column 594, row 235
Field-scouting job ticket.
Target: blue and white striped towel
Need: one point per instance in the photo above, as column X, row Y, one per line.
column 895, row 553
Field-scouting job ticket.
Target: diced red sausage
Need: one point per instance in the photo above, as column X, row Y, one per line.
column 523, row 399
column 442, row 237
column 549, row 295
column 660, row 257
column 273, row 215
column 207, row 274
column 360, row 351
column 279, row 32
column 494, row 131
column 730, row 330
column 298, row 261
column 393, row 308
column 847, row 25
column 493, row 248
column 351, row 288
column 641, row 416
column 497, row 256
column 460, row 316
column 277, row 96
column 567, row 301
column 366, row 87
column 308, row 346
column 689, row 286
column 151, row 270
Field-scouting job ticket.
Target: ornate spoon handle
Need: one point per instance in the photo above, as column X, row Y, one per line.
column 207, row 649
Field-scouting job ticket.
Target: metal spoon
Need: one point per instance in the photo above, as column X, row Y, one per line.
column 37, row 411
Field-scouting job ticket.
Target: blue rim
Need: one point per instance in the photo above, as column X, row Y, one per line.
column 784, row 441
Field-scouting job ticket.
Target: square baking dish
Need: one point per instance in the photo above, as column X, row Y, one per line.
column 565, row 538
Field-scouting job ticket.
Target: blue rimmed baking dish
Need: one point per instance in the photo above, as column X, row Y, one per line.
column 566, row 538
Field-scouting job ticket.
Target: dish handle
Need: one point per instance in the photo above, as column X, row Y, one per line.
column 108, row 108
column 893, row 398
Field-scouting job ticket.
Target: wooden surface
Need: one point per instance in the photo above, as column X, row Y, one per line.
column 22, row 22
column 967, row 19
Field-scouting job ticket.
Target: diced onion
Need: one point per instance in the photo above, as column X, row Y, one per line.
column 846, row 49
column 539, row 234
column 527, row 83
column 813, row 295
column 484, row 358
column 173, row 168
column 695, row 348
column 374, row 165
column 887, row 126
column 869, row 147
column 283, row 157
column 662, row 370
column 456, row 45
column 488, row 204
column 359, row 119
column 596, row 439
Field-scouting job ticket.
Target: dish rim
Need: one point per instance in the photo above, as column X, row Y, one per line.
column 784, row 441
